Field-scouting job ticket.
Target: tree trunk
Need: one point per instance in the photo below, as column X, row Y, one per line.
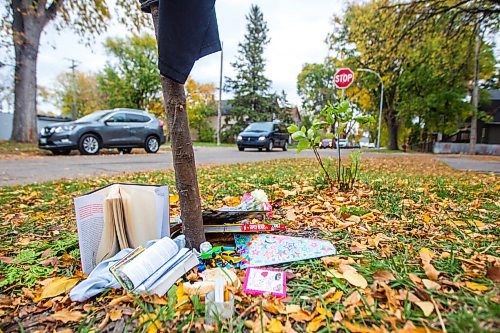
column 475, row 94
column 392, row 128
column 26, row 35
column 186, row 180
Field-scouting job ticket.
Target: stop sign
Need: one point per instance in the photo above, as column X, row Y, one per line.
column 343, row 78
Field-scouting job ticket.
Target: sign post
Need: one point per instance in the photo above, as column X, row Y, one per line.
column 342, row 79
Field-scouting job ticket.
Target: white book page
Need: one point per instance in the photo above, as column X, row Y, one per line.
column 149, row 261
column 164, row 271
column 90, row 222
column 162, row 210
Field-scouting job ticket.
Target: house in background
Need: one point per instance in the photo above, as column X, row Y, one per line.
column 488, row 132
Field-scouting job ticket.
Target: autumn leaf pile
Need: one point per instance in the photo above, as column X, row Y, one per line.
column 417, row 252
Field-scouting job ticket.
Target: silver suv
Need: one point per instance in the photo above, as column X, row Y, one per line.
column 119, row 128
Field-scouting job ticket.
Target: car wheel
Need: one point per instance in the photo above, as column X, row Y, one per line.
column 152, row 144
column 285, row 146
column 89, row 144
column 241, row 148
column 270, row 145
column 125, row 150
column 61, row 151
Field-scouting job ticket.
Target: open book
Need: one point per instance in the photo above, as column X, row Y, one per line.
column 155, row 269
column 119, row 216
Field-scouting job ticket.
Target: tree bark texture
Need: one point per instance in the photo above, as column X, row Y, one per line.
column 392, row 128
column 29, row 20
column 186, row 180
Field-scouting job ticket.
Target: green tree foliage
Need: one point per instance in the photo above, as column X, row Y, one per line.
column 21, row 25
column 200, row 105
column 253, row 100
column 133, row 79
column 315, row 85
column 425, row 74
column 87, row 96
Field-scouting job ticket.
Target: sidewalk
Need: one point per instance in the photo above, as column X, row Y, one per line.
column 467, row 164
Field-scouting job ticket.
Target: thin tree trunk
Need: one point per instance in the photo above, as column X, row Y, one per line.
column 392, row 128
column 475, row 94
column 186, row 180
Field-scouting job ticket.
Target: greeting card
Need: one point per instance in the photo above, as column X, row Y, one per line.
column 261, row 280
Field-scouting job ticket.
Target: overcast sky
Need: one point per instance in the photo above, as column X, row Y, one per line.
column 297, row 29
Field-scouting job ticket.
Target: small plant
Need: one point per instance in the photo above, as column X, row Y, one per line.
column 339, row 118
column 347, row 174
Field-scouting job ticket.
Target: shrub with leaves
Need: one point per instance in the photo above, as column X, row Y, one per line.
column 339, row 118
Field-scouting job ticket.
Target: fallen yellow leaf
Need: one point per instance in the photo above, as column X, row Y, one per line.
column 66, row 316
column 427, row 307
column 275, row 326
column 431, row 272
column 149, row 322
column 58, row 286
column 383, row 275
column 352, row 299
column 316, row 323
column 173, row 199
column 292, row 308
column 115, row 314
column 335, row 298
column 426, row 254
column 301, row 316
column 431, row 285
column 475, row 286
column 273, row 306
column 355, row 279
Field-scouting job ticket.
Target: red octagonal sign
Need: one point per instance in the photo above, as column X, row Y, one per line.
column 343, row 78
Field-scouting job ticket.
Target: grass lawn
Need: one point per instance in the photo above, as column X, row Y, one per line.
column 418, row 251
column 12, row 148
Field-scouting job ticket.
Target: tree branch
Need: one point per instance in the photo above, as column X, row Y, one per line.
column 51, row 11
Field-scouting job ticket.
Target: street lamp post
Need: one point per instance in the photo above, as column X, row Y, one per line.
column 381, row 101
column 219, row 112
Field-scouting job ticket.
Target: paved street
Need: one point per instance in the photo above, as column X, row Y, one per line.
column 46, row 168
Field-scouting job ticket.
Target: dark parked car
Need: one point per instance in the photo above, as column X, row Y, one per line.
column 119, row 128
column 264, row 135
column 326, row 143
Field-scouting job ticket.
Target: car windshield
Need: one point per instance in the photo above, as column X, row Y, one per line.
column 93, row 116
column 259, row 127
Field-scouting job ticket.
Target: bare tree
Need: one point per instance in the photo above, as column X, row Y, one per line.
column 186, row 180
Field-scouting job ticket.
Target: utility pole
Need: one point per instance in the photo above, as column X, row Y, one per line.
column 73, row 83
column 475, row 92
column 219, row 112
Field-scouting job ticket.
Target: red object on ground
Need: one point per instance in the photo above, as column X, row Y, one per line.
column 343, row 78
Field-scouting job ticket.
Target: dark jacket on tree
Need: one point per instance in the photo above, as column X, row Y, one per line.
column 187, row 32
